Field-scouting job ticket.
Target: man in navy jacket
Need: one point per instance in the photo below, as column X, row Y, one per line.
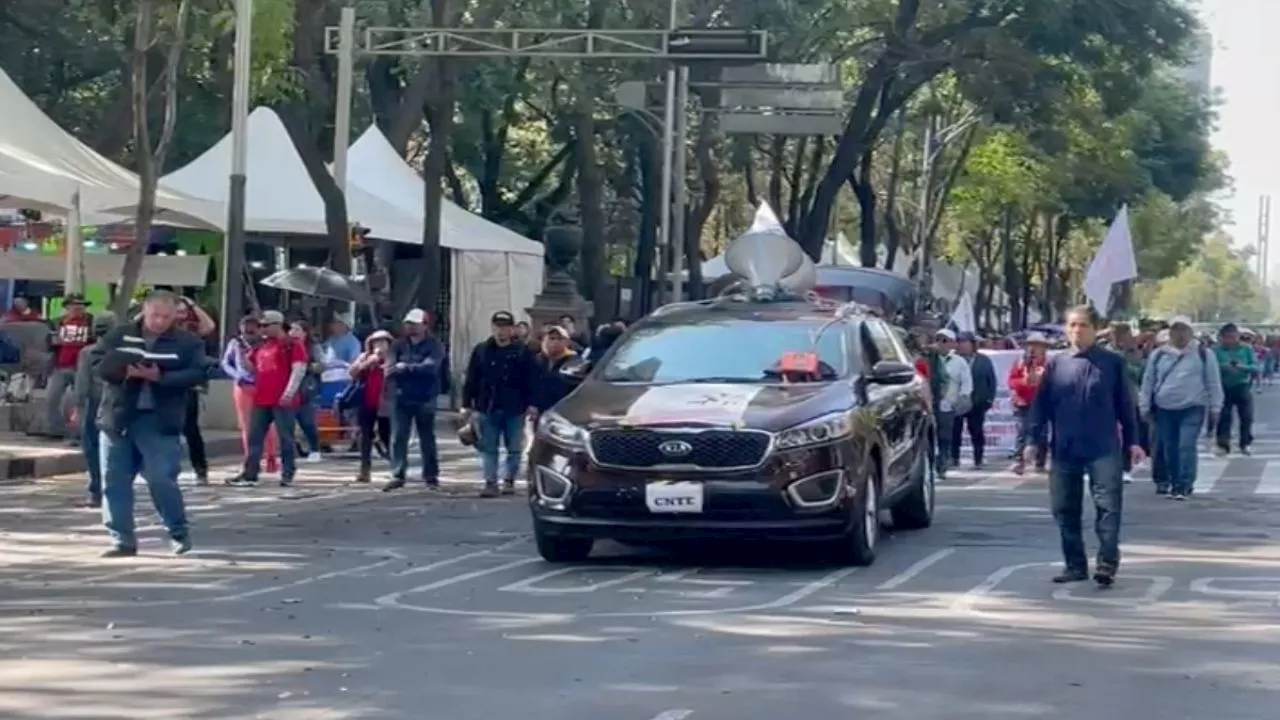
column 418, row 370
column 1086, row 397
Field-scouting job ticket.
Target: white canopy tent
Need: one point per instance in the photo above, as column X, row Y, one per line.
column 43, row 167
column 494, row 268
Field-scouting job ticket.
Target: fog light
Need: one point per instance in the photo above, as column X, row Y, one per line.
column 820, row 490
column 551, row 486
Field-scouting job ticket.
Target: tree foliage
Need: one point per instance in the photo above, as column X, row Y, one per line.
column 1217, row 285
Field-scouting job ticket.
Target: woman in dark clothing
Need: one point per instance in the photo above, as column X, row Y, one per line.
column 300, row 330
column 373, row 410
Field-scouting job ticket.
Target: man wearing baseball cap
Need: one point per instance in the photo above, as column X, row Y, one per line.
column 499, row 390
column 279, row 365
column 956, row 398
column 418, row 370
column 1237, row 363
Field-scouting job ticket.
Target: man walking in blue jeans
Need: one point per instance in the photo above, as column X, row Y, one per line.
column 499, row 390
column 418, row 371
column 148, row 368
column 1085, row 398
column 1181, row 385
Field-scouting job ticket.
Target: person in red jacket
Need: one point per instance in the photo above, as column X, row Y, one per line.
column 1024, row 381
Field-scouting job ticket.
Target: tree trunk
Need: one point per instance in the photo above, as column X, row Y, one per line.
column 149, row 160
column 893, row 234
column 860, row 182
column 590, row 202
column 442, row 109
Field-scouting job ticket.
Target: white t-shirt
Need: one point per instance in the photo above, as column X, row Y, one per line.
column 959, row 382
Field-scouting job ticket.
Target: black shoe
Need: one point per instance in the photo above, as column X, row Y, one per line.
column 1178, row 495
column 1104, row 576
column 202, row 477
column 1246, row 451
column 286, row 481
column 393, row 484
column 508, row 487
column 241, row 480
column 1071, row 576
column 490, row 491
column 92, row 502
column 120, row 551
column 180, row 545
column 365, row 475
column 1162, row 488
column 432, row 485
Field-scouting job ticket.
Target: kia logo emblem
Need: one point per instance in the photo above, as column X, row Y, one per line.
column 675, row 448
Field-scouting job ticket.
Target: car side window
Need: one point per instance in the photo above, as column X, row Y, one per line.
column 882, row 339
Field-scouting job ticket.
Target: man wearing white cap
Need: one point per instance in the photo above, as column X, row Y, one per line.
column 418, row 370
column 1181, row 386
column 956, row 396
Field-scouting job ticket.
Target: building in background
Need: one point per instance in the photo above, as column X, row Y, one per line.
column 1197, row 72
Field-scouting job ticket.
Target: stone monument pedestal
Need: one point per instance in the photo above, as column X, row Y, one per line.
column 559, row 296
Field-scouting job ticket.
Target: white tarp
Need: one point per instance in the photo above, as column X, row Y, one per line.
column 184, row 271
column 373, row 164
column 484, row 283
column 279, row 195
column 43, row 166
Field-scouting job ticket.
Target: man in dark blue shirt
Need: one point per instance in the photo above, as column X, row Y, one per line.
column 1086, row 399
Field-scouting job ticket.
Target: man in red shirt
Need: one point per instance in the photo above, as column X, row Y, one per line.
column 21, row 312
column 73, row 333
column 279, row 365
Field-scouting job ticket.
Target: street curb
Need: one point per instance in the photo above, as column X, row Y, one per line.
column 14, row 470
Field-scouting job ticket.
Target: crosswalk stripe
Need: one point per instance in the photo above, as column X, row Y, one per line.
column 1269, row 483
column 1208, row 473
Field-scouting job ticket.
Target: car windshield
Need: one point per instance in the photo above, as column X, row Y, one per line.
column 733, row 351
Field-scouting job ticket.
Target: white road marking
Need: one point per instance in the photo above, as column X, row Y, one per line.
column 460, row 558
column 1159, row 586
column 966, row 602
column 530, row 585
column 1209, row 473
column 673, row 715
column 1205, row 586
column 999, row 481
column 1269, row 483
column 915, row 569
column 393, row 599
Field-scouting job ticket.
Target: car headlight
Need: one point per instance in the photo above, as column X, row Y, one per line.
column 815, row 432
column 555, row 428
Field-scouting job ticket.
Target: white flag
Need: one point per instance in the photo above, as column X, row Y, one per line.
column 1114, row 263
column 962, row 316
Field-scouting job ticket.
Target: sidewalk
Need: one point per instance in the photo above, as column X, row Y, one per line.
column 25, row 457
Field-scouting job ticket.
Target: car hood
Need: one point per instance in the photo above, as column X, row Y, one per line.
column 596, row 405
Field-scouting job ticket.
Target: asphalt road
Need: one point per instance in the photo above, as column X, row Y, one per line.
column 331, row 602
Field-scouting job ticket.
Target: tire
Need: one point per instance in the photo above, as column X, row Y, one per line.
column 561, row 549
column 858, row 546
column 915, row 511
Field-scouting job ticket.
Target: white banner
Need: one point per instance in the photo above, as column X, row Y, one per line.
column 1001, row 427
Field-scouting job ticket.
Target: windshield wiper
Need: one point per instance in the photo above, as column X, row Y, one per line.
column 714, row 379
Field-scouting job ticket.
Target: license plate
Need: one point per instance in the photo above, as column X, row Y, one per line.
column 673, row 497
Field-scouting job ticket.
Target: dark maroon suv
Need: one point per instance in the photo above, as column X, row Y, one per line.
column 733, row 419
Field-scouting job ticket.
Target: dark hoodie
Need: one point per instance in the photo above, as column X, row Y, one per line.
column 500, row 378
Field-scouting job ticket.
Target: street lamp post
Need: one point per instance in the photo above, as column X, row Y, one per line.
column 233, row 247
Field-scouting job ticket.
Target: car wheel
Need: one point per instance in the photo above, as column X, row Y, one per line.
column 559, row 549
column 858, row 546
column 915, row 511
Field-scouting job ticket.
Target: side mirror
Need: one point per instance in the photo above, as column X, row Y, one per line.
column 890, row 372
column 575, row 372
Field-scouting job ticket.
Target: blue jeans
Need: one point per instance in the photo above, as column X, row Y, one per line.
column 507, row 430
column 1066, row 490
column 403, row 420
column 141, row 449
column 944, row 437
column 260, row 421
column 1177, row 434
column 91, row 448
column 306, row 419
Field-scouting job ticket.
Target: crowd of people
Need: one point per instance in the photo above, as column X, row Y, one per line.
column 1097, row 403
column 133, row 388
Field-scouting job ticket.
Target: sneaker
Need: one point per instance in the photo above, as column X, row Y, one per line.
column 432, row 484
column 180, row 545
column 393, row 484
column 241, row 480
column 508, row 487
column 313, row 458
column 202, row 477
column 286, row 481
column 364, row 475
column 120, row 551
column 1220, row 451
column 1071, row 576
column 1104, row 576
column 1127, row 478
column 91, row 502
column 490, row 491
column 1246, row 451
column 1018, row 468
column 1178, row 495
